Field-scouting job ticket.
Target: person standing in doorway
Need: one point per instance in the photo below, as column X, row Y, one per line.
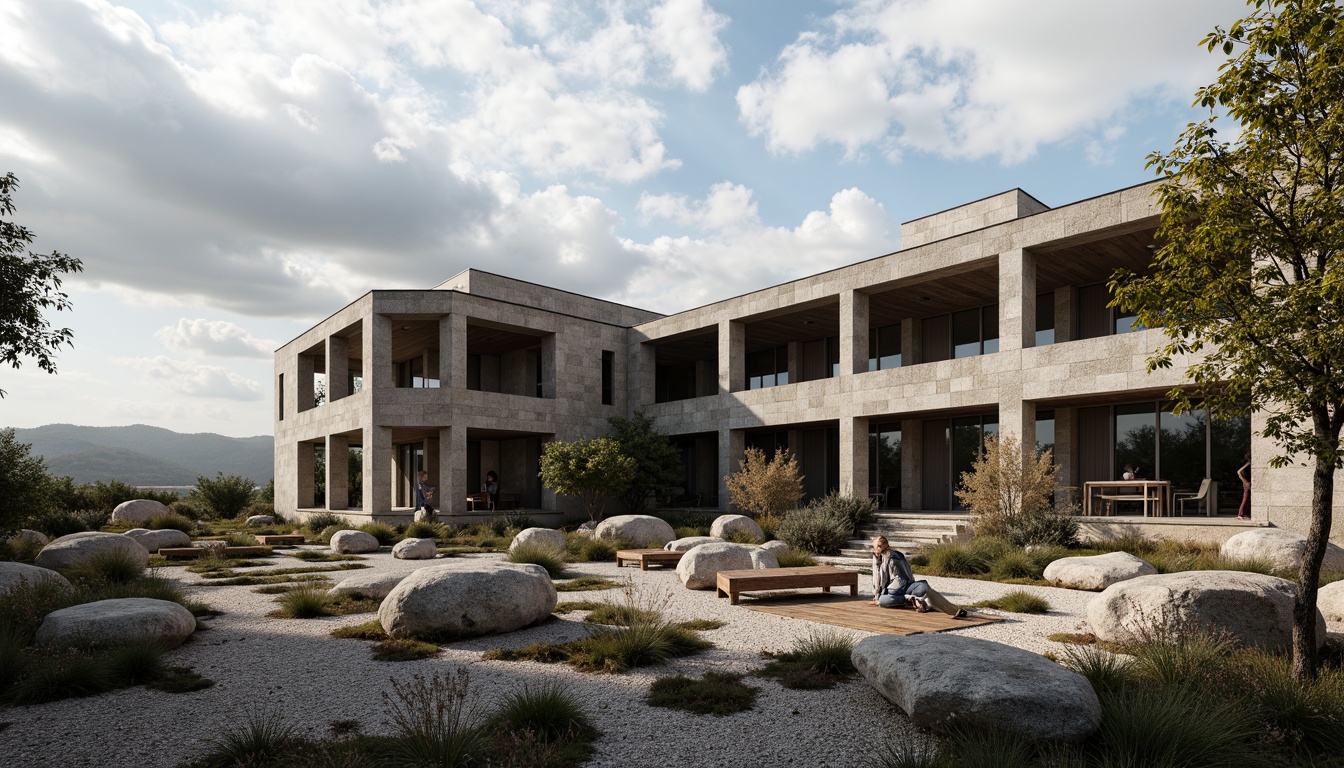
column 425, row 496
column 1244, row 474
column 491, row 489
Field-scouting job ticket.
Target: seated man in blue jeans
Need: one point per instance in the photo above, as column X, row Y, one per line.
column 894, row 584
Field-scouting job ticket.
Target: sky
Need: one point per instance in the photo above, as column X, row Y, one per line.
column 231, row 172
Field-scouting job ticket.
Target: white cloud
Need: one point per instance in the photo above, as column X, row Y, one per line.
column 978, row 78
column 686, row 34
column 196, row 379
column 218, row 338
column 728, row 207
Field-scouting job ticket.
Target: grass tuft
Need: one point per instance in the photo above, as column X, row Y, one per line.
column 586, row 584
column 1017, row 601
column 173, row 521
column 306, row 602
column 404, row 649
column 539, row 554
column 385, row 534
column 717, row 693
column 114, row 566
column 369, row 630
column 818, row 660
column 550, row 711
column 261, row 739
column 796, row 558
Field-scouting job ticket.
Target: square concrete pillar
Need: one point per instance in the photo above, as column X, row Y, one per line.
column 644, row 382
column 854, row 456
column 1065, row 298
column 1017, row 300
column 706, row 379
column 732, row 356
column 379, row 468
column 338, row 368
column 303, row 384
column 1065, row 453
column 795, row 355
column 453, row 351
column 732, row 446
column 1017, row 417
column 853, row 339
column 452, row 474
column 377, row 354
column 548, row 366
column 432, row 467
column 912, row 351
column 912, row 464
column 305, row 478
column 338, row 472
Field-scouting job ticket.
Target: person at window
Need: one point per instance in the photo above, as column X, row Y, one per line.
column 894, row 584
column 491, row 490
column 424, row 497
column 1129, row 473
column 1244, row 474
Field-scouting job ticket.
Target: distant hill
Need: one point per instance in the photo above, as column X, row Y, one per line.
column 144, row 455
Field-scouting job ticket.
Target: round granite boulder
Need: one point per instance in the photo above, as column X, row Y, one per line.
column 138, row 511
column 763, row 558
column 725, row 526
column 1330, row 602
column 113, row 622
column 13, row 573
column 690, row 542
column 257, row 521
column 1252, row 608
column 447, row 601
column 641, row 530
column 353, row 542
column 367, row 584
column 1098, row 571
column 547, row 538
column 777, row 546
column 77, row 548
column 415, row 549
column 942, row 681
column 160, row 539
column 29, row 535
column 699, row 567
column 1281, row 549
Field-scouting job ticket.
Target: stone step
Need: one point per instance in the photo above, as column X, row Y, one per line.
column 864, row 545
column 847, row 561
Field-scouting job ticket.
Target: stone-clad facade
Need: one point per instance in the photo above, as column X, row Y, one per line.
column 878, row 374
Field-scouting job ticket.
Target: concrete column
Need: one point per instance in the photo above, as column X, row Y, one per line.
column 338, row 368
column 303, row 384
column 853, row 340
column 452, row 474
column 795, row 438
column 911, row 351
column 1065, row 453
column 432, row 467
column 377, row 354
column 795, row 355
column 338, row 472
column 854, row 455
column 706, row 379
column 732, row 356
column 732, row 445
column 453, row 351
column 1017, row 417
column 645, row 379
column 379, row 467
column 306, row 463
column 912, row 464
column 1064, row 315
column 1017, row 300
column 549, row 362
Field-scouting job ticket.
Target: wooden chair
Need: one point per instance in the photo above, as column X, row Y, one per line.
column 1200, row 496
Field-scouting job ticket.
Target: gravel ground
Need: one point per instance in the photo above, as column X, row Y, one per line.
column 296, row 667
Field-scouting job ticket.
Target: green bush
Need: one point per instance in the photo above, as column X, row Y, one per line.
column 793, row 558
column 304, row 602
column 1176, row 726
column 1015, row 565
column 319, row 521
column 818, row 660
column 860, row 512
column 171, row 521
column 1017, row 601
column 821, row 530
column 224, row 496
column 57, row 523
column 550, row 711
column 186, row 508
column 423, row 530
column 518, row 522
column 262, row 508
column 598, row 550
column 952, row 559
column 1045, row 527
column 114, row 566
column 385, row 534
column 539, row 554
column 19, row 550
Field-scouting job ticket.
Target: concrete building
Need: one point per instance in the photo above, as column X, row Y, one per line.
column 882, row 376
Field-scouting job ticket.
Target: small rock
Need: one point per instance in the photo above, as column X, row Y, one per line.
column 13, row 573
column 777, row 546
column 1282, row 549
column 27, row 534
column 353, row 542
column 689, row 542
column 258, row 521
column 1098, row 571
column 415, row 549
column 543, row 537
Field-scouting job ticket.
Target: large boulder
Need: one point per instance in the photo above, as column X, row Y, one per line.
column 548, row 538
column 369, row 583
column 1282, row 549
column 77, row 548
column 415, row 549
column 726, row 525
column 1252, row 608
column 1098, row 571
column 138, row 511
column 257, row 521
column 641, row 530
column 1330, row 602
column 156, row 540
column 687, row 543
column 29, row 535
column 699, row 567
column 943, row 681
column 777, row 546
column 444, row 602
column 353, row 542
column 112, row 622
column 13, row 573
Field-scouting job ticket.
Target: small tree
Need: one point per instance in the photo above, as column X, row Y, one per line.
column 589, row 469
column 25, row 487
column 658, row 463
column 225, row 495
column 1008, row 494
column 765, row 487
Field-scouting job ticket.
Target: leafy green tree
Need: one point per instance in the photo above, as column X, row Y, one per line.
column 25, row 486
column 589, row 469
column 1249, row 277
column 658, row 463
column 30, row 284
column 225, row 495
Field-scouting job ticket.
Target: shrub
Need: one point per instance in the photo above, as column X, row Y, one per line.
column 61, row 675
column 598, row 551
column 384, row 533
column 262, row 738
column 319, row 521
column 658, row 463
column 951, row 559
column 815, row 530
column 795, row 558
column 1107, row 672
column 518, row 522
column 436, row 720
column 764, row 487
column 404, row 649
column 224, row 495
column 137, row 662
column 590, row 469
column 262, row 508
column 114, row 566
column 860, row 512
column 1044, row 528
column 171, row 521
column 304, row 602
column 539, row 554
column 424, row 530
column 19, row 550
column 186, row 508
column 326, row 533
column 717, row 693
column 1015, row 565
column 240, row 540
column 550, row 711
column 1009, row 496
column 1176, row 726
column 817, row 660
column 1017, row 601
column 57, row 523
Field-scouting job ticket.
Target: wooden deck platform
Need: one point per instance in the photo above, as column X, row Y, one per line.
column 859, row 613
column 280, row 538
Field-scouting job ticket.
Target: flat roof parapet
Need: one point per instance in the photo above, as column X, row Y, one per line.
column 995, row 209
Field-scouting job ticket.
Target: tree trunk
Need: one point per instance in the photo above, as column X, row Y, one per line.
column 1309, row 575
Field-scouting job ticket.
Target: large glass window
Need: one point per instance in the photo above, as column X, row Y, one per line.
column 1045, row 432
column 608, row 381
column 410, row 375
column 1095, row 318
column 975, row 331
column 674, row 381
column 1045, row 319
column 968, row 440
column 884, row 347
column 768, row 368
column 1135, row 446
column 884, row 463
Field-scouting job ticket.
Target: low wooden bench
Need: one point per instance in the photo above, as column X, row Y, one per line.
column 279, row 538
column 646, row 556
column 733, row 583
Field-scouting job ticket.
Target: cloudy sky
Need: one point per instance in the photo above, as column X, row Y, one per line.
column 232, row 171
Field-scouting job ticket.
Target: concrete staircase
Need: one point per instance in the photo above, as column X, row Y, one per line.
column 906, row 531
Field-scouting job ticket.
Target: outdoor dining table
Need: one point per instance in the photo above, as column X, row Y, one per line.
column 1155, row 495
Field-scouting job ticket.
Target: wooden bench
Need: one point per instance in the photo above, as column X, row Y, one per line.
column 646, row 556
column 505, row 501
column 279, row 538
column 733, row 583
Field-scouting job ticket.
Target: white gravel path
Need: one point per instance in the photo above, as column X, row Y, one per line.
column 296, row 666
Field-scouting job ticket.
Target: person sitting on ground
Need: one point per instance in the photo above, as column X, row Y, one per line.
column 894, row 584
column 491, row 490
column 424, row 496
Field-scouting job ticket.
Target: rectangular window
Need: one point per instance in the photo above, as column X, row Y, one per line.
column 833, row 355
column 1045, row 432
column 884, row 347
column 936, row 335
column 474, row 373
column 1096, row 319
column 1045, row 319
column 768, row 368
column 536, row 362
column 608, row 372
column 989, row 329
column 280, row 396
column 966, row 333
column 674, row 381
